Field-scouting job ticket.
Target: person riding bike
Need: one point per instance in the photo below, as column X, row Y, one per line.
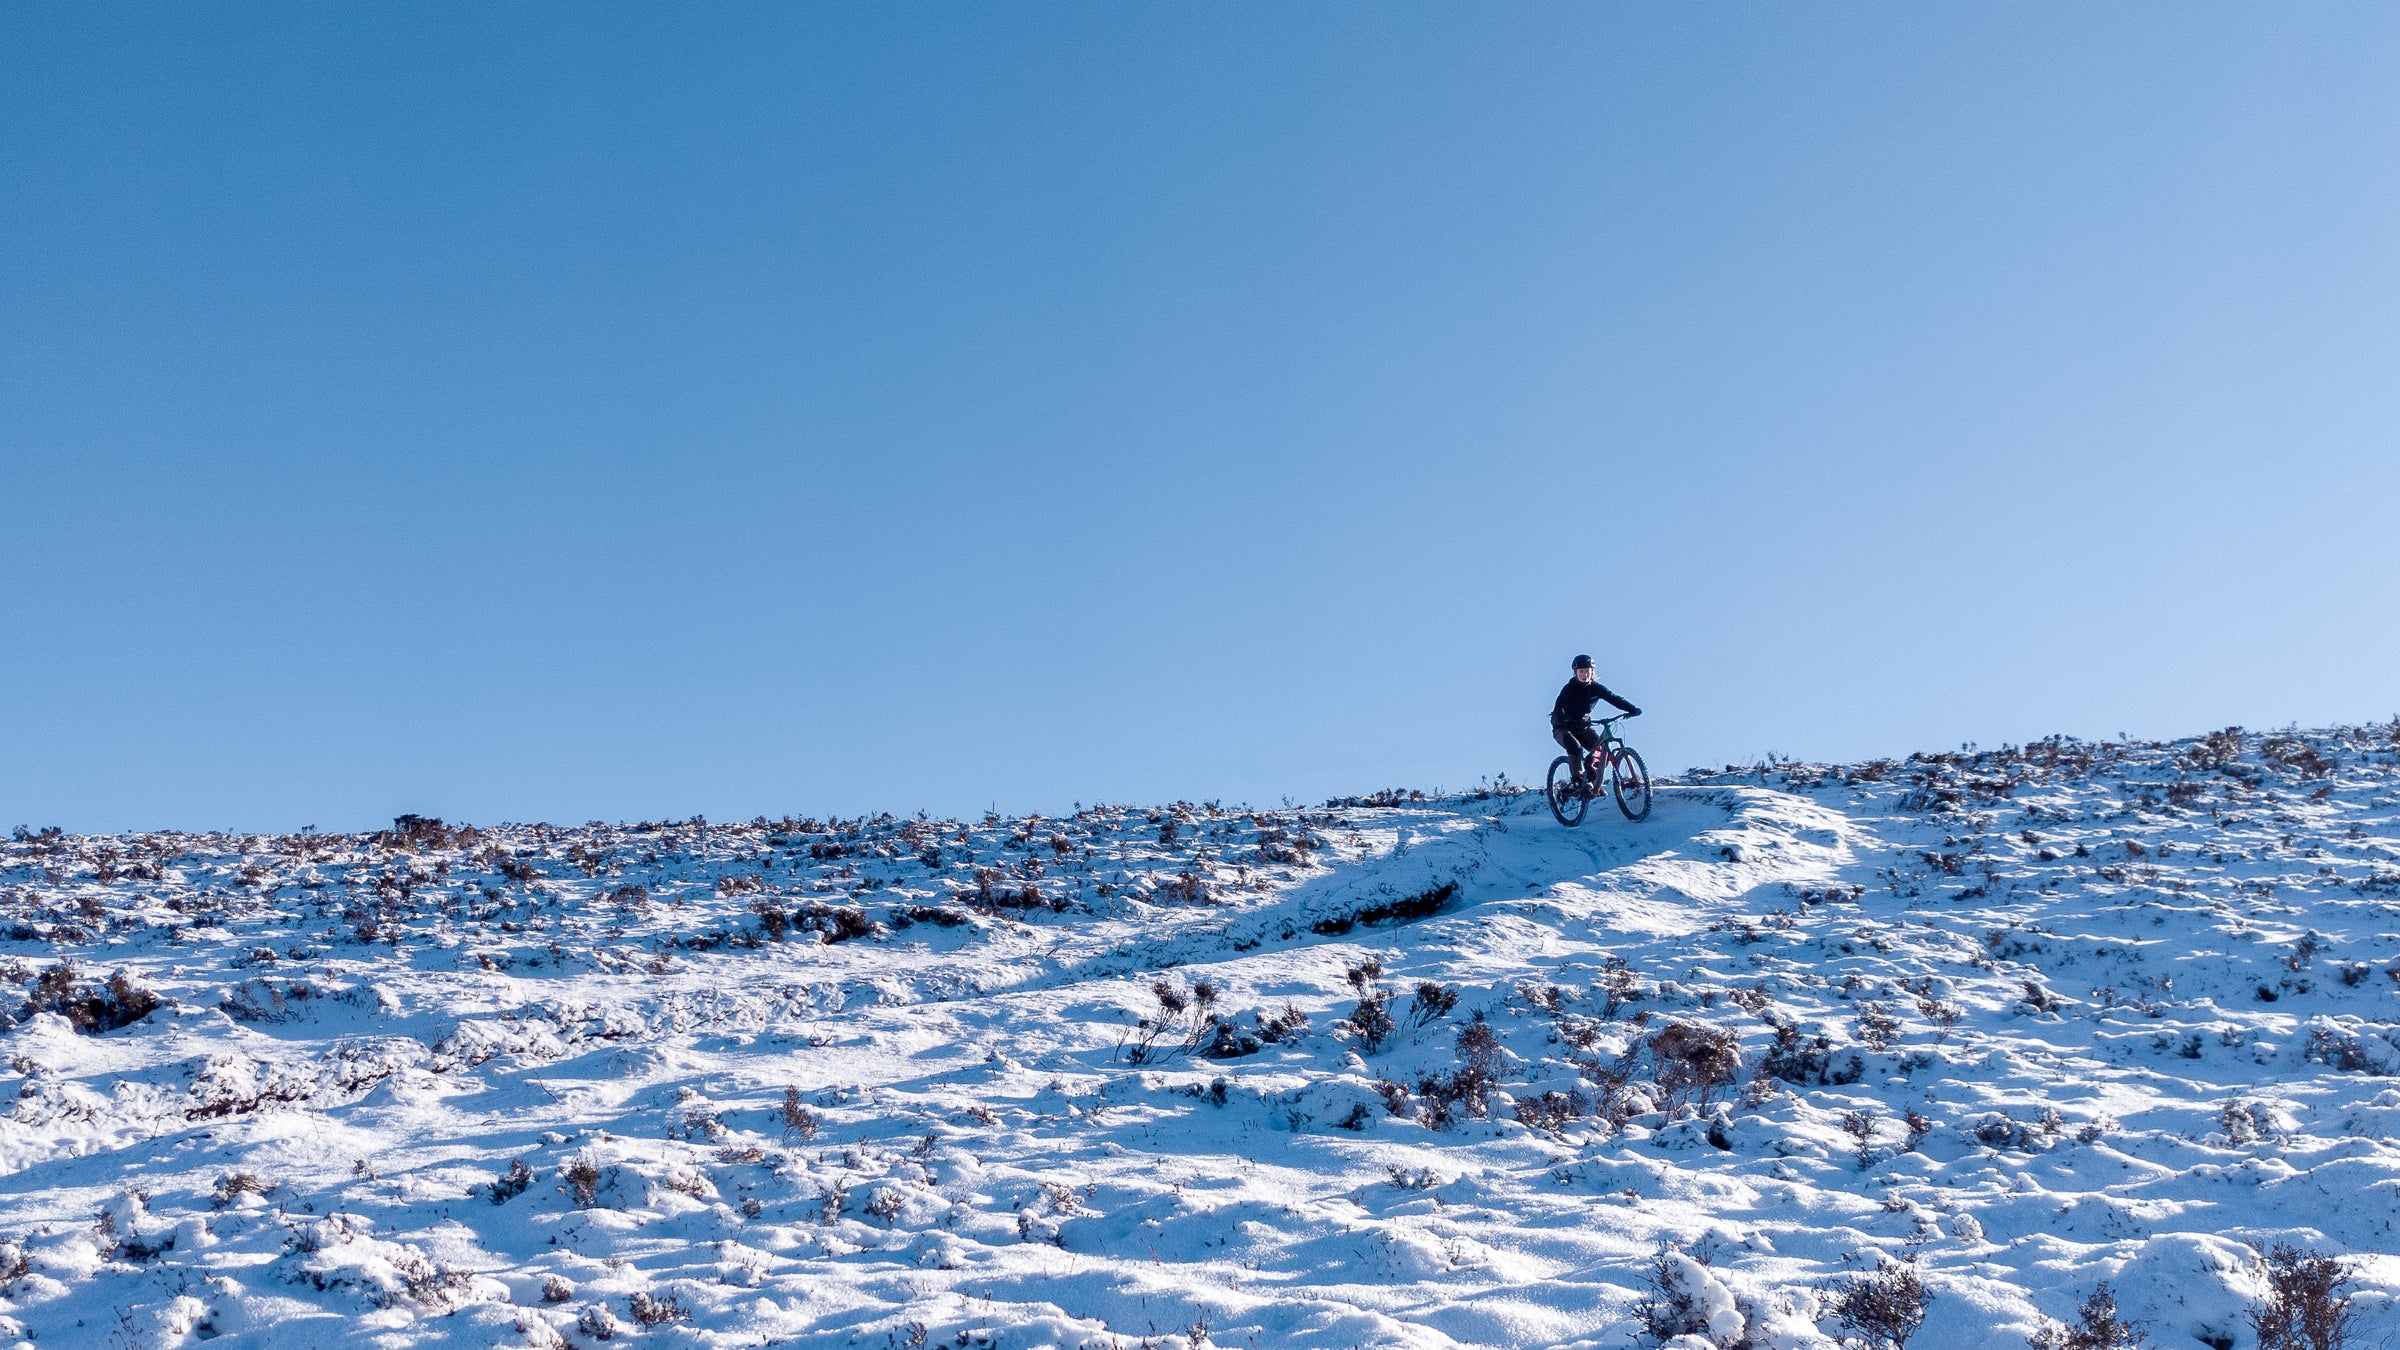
column 1570, row 717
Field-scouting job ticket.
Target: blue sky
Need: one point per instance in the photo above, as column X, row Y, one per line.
column 563, row 412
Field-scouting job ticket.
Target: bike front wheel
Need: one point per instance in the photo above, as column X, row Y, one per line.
column 1567, row 801
column 1632, row 783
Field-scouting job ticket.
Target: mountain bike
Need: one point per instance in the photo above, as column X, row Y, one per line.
column 1614, row 762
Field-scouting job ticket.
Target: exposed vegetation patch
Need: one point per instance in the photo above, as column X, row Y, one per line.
column 1423, row 905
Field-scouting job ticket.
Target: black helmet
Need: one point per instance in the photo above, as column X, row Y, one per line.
column 1583, row 663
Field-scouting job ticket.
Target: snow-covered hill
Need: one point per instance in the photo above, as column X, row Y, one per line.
column 2027, row 1020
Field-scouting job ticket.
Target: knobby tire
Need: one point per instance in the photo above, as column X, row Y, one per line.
column 1566, row 802
column 1632, row 779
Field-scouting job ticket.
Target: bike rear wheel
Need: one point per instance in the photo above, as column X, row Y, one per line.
column 1567, row 801
column 1632, row 783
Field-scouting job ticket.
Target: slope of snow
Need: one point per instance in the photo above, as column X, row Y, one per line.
column 2029, row 1019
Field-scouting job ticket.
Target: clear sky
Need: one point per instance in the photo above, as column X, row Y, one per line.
column 513, row 412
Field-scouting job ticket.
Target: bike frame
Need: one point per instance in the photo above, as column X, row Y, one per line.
column 1604, row 755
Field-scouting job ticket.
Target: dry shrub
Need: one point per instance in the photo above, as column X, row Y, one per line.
column 1688, row 1060
column 1883, row 1308
column 798, row 1120
column 416, row 834
column 1860, row 1126
column 1230, row 1039
column 651, row 1311
column 234, row 1185
column 582, row 1177
column 1618, row 986
column 1683, row 1302
column 2097, row 1327
column 772, row 916
column 1286, row 1023
column 506, row 1188
column 2338, row 1049
column 1552, row 1112
column 1432, row 1001
column 1184, row 1019
column 91, row 1011
column 2216, row 750
column 1876, row 1026
column 2308, row 1306
column 1466, row 1088
column 1372, row 1019
column 2295, row 755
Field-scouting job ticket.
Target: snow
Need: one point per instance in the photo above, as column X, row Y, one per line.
column 2114, row 1011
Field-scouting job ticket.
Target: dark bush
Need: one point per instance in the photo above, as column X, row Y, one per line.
column 1876, row 1026
column 1860, row 1126
column 1691, row 1060
column 582, row 1175
column 1184, row 1022
column 771, row 914
column 234, row 1185
column 2097, row 1327
column 1372, row 1019
column 1466, row 1088
column 798, row 1120
column 509, row 1187
column 1667, row 1309
column 1811, row 1060
column 1432, row 1001
column 1884, row 1308
column 2307, row 1305
column 1286, row 1023
column 2338, row 1049
column 417, row 833
column 1229, row 1039
column 1553, row 1111
column 89, row 1010
column 652, row 1312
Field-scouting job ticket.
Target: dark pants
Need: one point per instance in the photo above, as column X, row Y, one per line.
column 1579, row 742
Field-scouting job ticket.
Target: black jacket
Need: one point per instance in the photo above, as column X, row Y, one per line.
column 1576, row 700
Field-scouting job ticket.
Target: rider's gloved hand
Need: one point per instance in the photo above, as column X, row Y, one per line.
column 1635, row 713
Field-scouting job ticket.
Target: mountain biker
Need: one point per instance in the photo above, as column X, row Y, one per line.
column 1570, row 717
